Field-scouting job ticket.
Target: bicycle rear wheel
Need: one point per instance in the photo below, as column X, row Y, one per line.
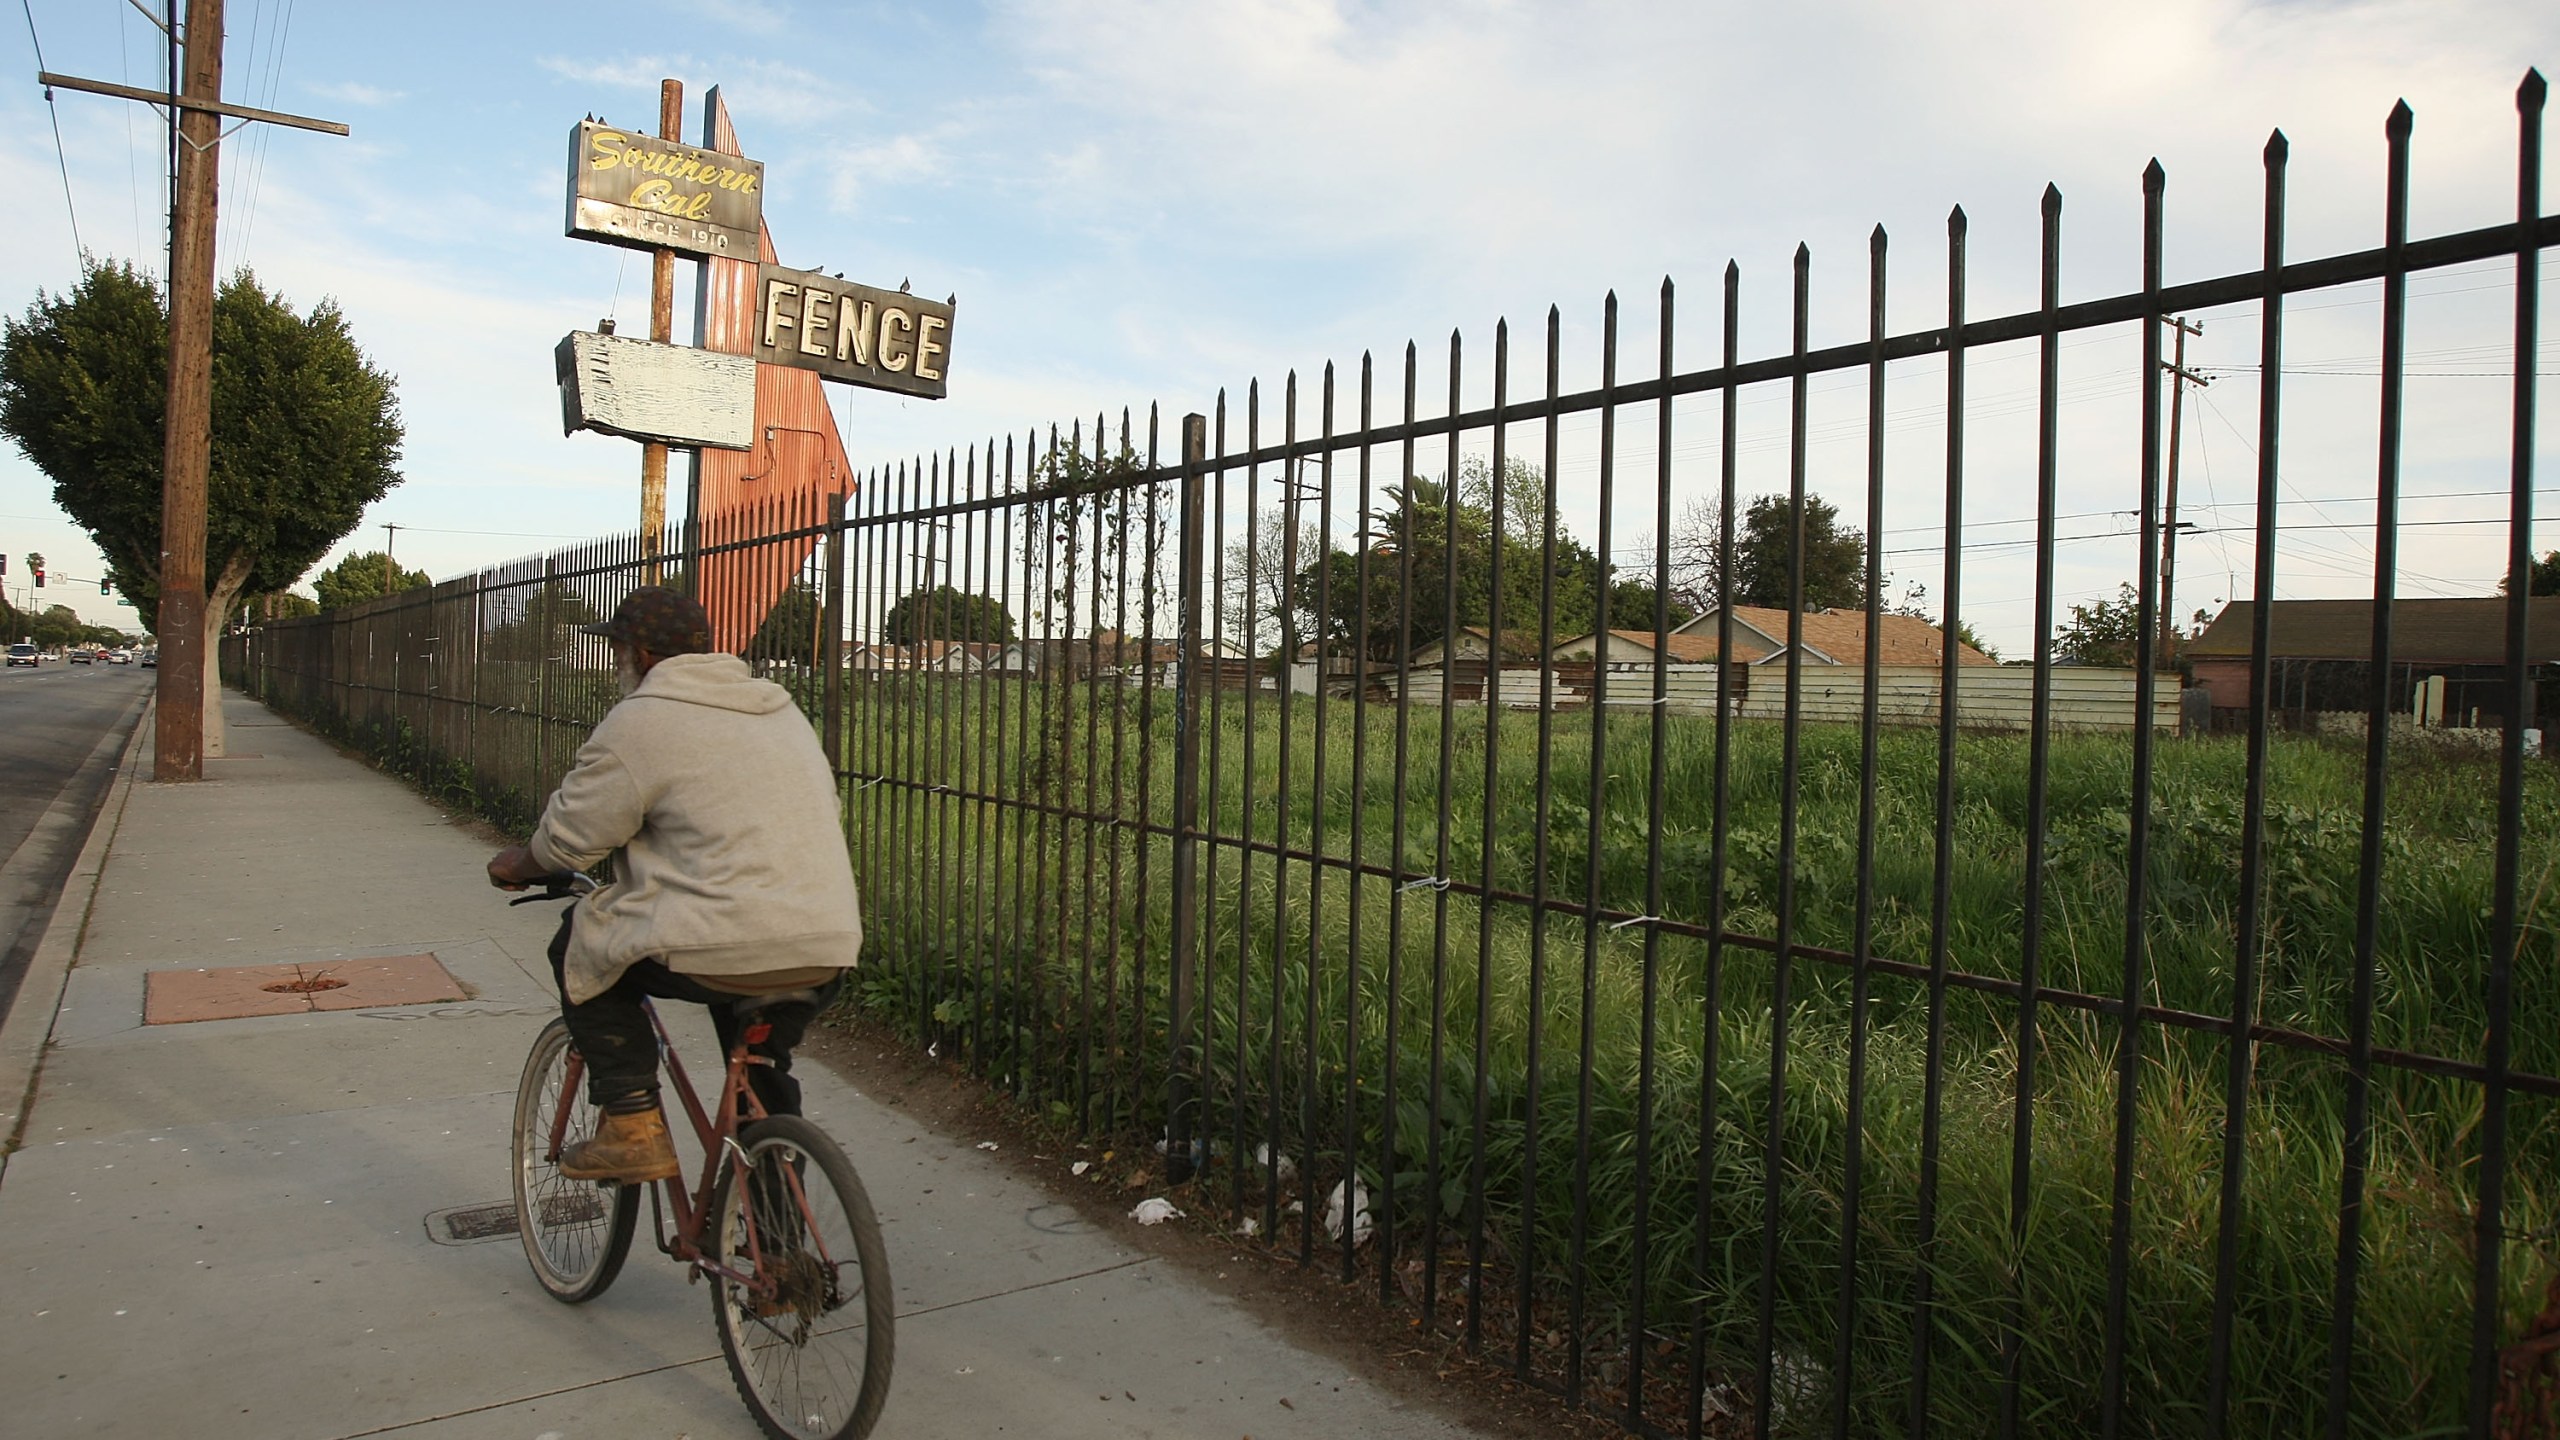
column 575, row 1232
column 810, row 1342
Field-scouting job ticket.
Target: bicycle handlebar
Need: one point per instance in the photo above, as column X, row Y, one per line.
column 568, row 885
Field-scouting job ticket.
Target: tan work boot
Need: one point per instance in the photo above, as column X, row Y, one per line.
column 634, row 1149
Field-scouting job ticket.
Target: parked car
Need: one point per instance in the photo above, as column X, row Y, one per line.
column 150, row 659
column 26, row 655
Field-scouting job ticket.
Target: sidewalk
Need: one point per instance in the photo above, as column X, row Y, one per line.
column 223, row 1228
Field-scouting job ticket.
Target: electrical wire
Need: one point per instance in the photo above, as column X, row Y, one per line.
column 79, row 252
column 266, row 134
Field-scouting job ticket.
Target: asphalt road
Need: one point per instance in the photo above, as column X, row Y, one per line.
column 60, row 728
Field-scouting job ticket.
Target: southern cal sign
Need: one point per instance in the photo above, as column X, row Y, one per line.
column 626, row 188
column 880, row 339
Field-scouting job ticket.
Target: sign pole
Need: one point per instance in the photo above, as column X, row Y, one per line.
column 662, row 328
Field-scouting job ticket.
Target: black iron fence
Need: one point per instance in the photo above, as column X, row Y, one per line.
column 1326, row 790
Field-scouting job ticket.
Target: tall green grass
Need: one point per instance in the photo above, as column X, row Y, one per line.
column 1037, row 944
column 1091, row 1034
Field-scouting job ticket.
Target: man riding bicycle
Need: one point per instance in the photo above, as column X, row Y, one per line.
column 731, row 880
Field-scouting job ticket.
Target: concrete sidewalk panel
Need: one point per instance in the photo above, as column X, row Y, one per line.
column 253, row 1194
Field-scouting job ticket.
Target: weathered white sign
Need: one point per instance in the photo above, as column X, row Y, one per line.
column 665, row 394
column 880, row 339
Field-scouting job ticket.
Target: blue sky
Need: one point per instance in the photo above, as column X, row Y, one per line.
column 1140, row 201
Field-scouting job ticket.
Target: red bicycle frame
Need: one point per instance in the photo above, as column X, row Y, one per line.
column 738, row 1106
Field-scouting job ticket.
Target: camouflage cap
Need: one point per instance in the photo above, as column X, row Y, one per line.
column 658, row 620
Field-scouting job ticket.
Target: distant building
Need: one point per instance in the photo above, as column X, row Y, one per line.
column 1629, row 649
column 2320, row 656
column 1830, row 637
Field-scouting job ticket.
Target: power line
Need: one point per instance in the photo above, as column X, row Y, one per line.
column 80, row 252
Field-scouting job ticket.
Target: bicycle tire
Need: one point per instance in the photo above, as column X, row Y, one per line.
column 576, row 1233
column 770, row 1354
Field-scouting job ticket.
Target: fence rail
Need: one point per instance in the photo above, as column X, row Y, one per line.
column 1828, row 1049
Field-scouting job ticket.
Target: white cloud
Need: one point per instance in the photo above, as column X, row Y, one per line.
column 897, row 160
column 775, row 97
column 351, row 92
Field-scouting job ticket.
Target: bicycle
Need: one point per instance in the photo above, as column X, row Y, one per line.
column 800, row 1281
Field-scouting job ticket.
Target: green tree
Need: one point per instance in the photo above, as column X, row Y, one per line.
column 945, row 612
column 535, row 625
column 306, row 432
column 1835, row 556
column 368, row 576
column 791, row 628
column 2106, row 632
column 1415, row 523
column 2542, row 578
column 282, row 605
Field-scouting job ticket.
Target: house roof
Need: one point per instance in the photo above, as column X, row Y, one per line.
column 1838, row 636
column 1687, row 649
column 1517, row 643
column 2463, row 631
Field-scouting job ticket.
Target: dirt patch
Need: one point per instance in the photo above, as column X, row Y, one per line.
column 1308, row 1304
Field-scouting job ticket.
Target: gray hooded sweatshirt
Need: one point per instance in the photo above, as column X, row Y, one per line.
column 732, row 860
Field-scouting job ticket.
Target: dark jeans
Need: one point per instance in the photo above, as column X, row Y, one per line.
column 612, row 1032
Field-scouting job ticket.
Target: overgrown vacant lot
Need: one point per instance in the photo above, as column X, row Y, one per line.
column 1317, row 981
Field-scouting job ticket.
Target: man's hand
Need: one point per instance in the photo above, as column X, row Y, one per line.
column 514, row 868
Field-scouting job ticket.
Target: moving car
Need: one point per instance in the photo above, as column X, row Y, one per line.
column 150, row 659
column 119, row 657
column 27, row 655
column 79, row 656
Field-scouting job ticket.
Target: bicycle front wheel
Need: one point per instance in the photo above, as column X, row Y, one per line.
column 806, row 1320
column 575, row 1232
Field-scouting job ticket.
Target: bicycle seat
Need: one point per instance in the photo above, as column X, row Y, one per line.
column 745, row 1006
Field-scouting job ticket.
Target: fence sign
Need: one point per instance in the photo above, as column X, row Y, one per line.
column 626, row 188
column 881, row 339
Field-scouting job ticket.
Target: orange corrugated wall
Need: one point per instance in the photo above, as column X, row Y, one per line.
column 798, row 461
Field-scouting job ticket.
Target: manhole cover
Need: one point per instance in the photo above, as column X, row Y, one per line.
column 467, row 1223
column 481, row 1222
column 304, row 987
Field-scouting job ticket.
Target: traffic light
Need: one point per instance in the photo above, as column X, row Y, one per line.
column 38, row 568
column 103, row 588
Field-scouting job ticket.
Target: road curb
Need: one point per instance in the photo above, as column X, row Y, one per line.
column 28, row 1030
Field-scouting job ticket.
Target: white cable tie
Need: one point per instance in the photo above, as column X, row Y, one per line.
column 1426, row 882
column 1636, row 920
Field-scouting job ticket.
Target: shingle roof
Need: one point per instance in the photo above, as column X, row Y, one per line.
column 1842, row 635
column 2465, row 631
column 1688, row 649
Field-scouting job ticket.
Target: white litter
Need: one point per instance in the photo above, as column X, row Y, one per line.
column 1282, row 1170
column 1155, row 1211
column 1249, row 1227
column 1079, row 1167
column 1362, row 1224
column 986, row 1144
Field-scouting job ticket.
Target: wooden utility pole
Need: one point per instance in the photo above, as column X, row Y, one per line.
column 186, row 454
column 2180, row 377
column 186, row 457
column 662, row 328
